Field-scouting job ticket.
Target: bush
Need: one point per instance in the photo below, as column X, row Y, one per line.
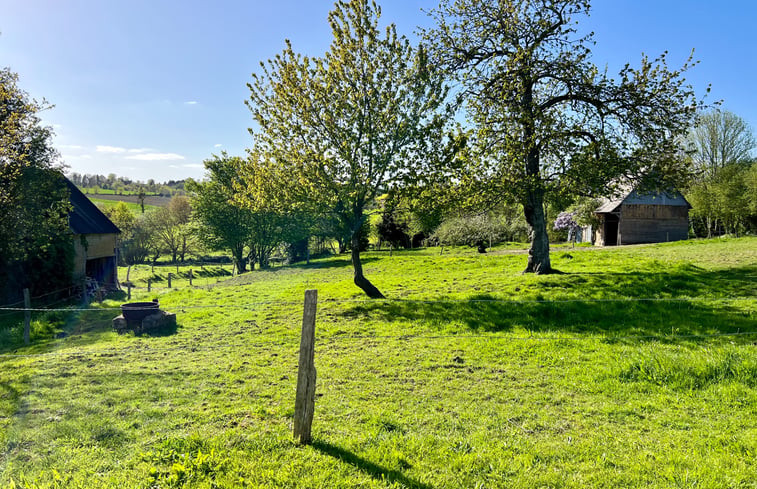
column 479, row 230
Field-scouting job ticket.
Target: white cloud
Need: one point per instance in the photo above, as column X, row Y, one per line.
column 191, row 102
column 140, row 150
column 155, row 157
column 110, row 149
column 67, row 157
column 217, row 145
column 193, row 165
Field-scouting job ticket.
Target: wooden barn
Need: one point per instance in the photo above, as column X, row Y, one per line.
column 95, row 242
column 643, row 218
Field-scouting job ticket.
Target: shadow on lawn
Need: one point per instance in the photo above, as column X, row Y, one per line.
column 657, row 318
column 333, row 263
column 376, row 471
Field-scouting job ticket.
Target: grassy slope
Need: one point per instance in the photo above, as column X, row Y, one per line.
column 521, row 393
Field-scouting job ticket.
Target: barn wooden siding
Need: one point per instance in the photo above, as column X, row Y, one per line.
column 647, row 223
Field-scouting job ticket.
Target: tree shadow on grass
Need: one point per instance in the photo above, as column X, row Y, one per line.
column 374, row 470
column 683, row 280
column 642, row 307
column 333, row 263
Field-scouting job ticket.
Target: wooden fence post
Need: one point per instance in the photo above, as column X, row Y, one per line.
column 190, row 277
column 27, row 316
column 128, row 291
column 149, row 285
column 169, row 279
column 304, row 404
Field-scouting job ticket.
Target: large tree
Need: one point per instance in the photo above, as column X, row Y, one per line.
column 36, row 245
column 721, row 146
column 336, row 131
column 546, row 118
column 223, row 224
column 249, row 232
column 170, row 227
column 720, row 138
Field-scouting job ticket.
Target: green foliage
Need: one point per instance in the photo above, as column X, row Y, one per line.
column 718, row 139
column 115, row 185
column 169, row 229
column 481, row 230
column 36, row 245
column 251, row 231
column 723, row 201
column 334, row 132
column 547, row 120
column 393, row 228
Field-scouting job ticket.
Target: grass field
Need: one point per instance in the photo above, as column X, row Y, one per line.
column 636, row 367
column 150, row 200
column 136, row 209
column 203, row 275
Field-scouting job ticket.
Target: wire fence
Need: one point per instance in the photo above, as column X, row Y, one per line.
column 335, row 337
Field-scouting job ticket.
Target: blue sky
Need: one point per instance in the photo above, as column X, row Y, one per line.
column 149, row 89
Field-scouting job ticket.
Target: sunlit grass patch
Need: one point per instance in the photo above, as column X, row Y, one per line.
column 688, row 370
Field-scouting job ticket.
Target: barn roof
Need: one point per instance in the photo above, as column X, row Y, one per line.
column 669, row 198
column 85, row 217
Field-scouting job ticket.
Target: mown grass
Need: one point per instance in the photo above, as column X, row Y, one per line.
column 471, row 375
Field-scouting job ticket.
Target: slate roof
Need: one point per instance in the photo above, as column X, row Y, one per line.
column 671, row 198
column 85, row 217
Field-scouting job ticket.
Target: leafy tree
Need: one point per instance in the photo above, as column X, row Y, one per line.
column 223, row 224
column 721, row 145
column 724, row 201
column 170, row 227
column 547, row 120
column 36, row 245
column 337, row 131
column 250, row 233
column 141, row 195
column 393, row 227
column 121, row 216
column 478, row 230
column 139, row 243
column 720, row 138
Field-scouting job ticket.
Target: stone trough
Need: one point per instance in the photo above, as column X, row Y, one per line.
column 141, row 317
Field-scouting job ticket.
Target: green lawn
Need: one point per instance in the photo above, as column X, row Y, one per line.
column 636, row 367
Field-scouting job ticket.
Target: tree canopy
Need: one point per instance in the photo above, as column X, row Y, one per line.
column 36, row 247
column 546, row 119
column 336, row 131
column 720, row 138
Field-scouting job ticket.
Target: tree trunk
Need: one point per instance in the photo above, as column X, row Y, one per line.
column 239, row 260
column 360, row 280
column 538, row 254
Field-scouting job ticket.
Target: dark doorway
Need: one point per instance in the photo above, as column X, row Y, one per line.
column 611, row 230
column 103, row 271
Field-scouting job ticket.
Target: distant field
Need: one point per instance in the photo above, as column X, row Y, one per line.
column 636, row 367
column 153, row 200
column 134, row 208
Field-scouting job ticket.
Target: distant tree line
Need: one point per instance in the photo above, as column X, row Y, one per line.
column 92, row 183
